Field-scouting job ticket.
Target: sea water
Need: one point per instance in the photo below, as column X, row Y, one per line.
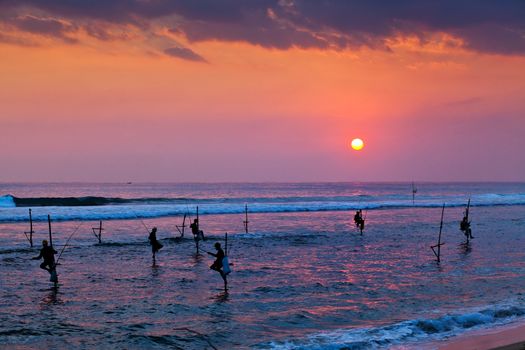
column 303, row 276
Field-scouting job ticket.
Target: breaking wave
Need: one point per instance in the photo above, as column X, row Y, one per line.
column 406, row 332
column 14, row 209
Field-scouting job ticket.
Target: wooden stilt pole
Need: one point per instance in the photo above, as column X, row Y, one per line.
column 50, row 234
column 53, row 270
column 100, row 232
column 30, row 232
column 180, row 228
column 414, row 191
column 99, row 229
column 31, row 228
column 468, row 231
column 198, row 229
column 439, row 244
column 440, row 230
column 222, row 272
column 362, row 224
column 246, row 218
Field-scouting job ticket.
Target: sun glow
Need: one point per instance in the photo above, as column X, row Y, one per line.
column 357, row 144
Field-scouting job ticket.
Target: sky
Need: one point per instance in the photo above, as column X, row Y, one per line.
column 262, row 90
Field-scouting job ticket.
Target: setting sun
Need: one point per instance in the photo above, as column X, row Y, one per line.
column 357, row 144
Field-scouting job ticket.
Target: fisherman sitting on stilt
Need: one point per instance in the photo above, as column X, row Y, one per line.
column 359, row 221
column 464, row 226
column 48, row 253
column 198, row 235
column 155, row 245
column 218, row 263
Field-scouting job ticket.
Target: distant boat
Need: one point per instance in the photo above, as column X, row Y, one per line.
column 129, row 183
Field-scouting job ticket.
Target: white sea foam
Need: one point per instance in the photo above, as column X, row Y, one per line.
column 408, row 332
column 9, row 211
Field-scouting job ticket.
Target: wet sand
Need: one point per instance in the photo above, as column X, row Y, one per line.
column 506, row 339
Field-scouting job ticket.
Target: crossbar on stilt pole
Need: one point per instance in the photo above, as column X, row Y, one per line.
column 439, row 244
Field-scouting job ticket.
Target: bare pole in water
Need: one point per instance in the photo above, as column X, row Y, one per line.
column 179, row 227
column 99, row 229
column 439, row 244
column 30, row 232
column 414, row 191
column 245, row 222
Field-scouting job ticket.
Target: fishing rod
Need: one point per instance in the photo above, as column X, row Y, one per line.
column 65, row 245
column 142, row 222
column 182, row 227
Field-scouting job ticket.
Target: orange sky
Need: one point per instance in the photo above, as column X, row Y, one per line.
column 119, row 111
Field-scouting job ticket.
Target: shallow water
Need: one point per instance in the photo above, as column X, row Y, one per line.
column 304, row 280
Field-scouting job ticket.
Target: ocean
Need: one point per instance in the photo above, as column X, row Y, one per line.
column 303, row 276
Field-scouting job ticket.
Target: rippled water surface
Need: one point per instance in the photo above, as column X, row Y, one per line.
column 300, row 279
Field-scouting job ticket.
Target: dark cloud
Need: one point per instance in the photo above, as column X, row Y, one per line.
column 491, row 26
column 256, row 27
column 184, row 53
column 44, row 26
column 484, row 25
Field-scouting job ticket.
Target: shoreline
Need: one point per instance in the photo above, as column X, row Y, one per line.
column 504, row 338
